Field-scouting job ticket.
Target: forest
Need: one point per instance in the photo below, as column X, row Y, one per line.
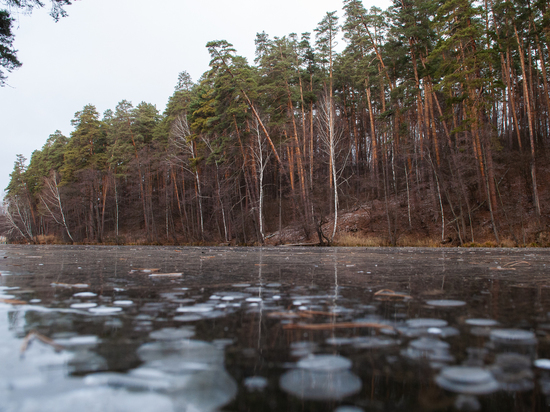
column 431, row 126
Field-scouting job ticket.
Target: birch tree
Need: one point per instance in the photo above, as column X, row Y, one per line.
column 261, row 157
column 182, row 139
column 51, row 200
column 331, row 138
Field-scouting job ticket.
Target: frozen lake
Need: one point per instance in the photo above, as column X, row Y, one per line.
column 273, row 329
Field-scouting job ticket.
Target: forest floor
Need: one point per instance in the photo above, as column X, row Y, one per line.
column 369, row 225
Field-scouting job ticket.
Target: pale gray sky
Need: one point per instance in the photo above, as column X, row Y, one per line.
column 110, row 50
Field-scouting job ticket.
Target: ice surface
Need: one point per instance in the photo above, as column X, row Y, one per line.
column 95, row 400
column 240, row 305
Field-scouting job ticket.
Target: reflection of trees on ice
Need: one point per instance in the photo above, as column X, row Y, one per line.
column 261, row 303
column 335, row 297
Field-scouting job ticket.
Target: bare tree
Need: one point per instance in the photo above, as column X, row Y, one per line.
column 261, row 157
column 51, row 199
column 181, row 137
column 18, row 217
column 330, row 137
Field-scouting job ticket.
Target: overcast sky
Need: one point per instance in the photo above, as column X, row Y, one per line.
column 110, row 50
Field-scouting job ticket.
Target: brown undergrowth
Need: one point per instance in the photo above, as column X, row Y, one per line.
column 366, row 226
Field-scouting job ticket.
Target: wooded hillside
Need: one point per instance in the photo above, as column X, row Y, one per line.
column 435, row 116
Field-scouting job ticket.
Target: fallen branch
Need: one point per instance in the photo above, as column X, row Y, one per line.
column 388, row 293
column 165, row 275
column 44, row 339
column 511, row 264
column 13, row 301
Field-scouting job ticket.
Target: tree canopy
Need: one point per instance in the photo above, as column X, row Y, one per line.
column 433, row 121
column 8, row 55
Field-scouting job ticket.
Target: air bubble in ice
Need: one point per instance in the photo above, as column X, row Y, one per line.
column 426, row 323
column 173, row 333
column 321, row 386
column 84, row 305
column 431, row 349
column 187, row 318
column 78, row 341
column 339, row 341
column 513, row 337
column 302, row 348
column 198, row 308
column 85, row 295
column 513, row 372
column 105, row 310
column 467, row 380
column 446, row 303
column 481, row 322
column 373, row 342
column 255, row 383
column 542, row 364
column 325, row 363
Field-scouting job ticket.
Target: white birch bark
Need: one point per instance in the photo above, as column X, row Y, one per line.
column 52, row 201
column 181, row 135
column 261, row 162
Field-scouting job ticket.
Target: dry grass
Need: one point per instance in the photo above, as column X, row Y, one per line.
column 48, row 240
column 507, row 242
column 358, row 239
column 348, row 239
column 411, row 241
column 504, row 242
column 475, row 244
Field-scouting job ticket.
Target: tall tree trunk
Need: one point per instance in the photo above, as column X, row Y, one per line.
column 373, row 136
column 176, row 190
column 104, row 200
column 141, row 190
column 545, row 82
column 224, row 220
column 530, row 120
